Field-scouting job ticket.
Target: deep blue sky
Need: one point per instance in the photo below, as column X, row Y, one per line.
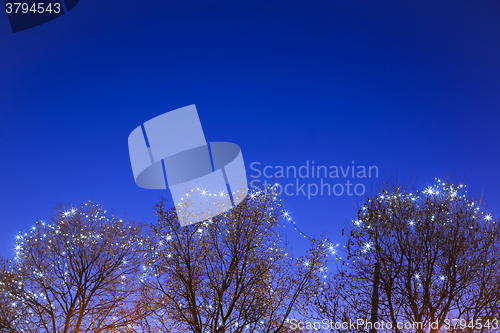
column 409, row 86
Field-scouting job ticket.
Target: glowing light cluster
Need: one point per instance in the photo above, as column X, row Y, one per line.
column 440, row 197
column 47, row 258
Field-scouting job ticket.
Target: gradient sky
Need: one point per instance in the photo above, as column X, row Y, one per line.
column 412, row 87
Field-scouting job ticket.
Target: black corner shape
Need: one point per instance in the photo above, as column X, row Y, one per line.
column 26, row 14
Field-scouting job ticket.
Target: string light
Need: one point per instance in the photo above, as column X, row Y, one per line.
column 252, row 194
column 42, row 256
column 438, row 195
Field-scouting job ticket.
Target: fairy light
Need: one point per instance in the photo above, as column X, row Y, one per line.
column 367, row 246
column 439, row 194
column 163, row 262
column 56, row 239
column 253, row 194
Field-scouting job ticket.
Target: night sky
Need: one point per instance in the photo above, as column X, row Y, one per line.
column 412, row 87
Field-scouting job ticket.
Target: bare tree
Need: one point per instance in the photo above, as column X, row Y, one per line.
column 439, row 252
column 229, row 274
column 78, row 273
column 8, row 315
